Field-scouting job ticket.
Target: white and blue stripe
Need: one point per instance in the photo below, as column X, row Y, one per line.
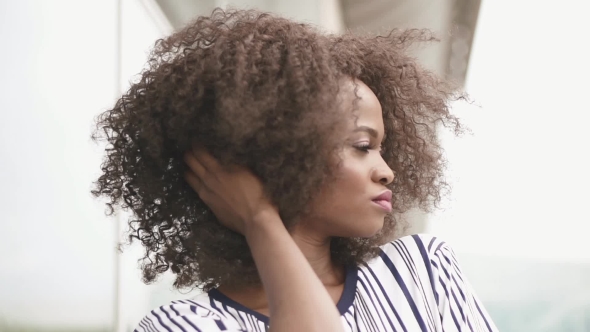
column 415, row 284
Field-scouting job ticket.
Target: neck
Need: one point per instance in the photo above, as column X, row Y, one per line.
column 316, row 249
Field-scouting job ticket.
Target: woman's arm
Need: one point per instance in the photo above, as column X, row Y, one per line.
column 297, row 299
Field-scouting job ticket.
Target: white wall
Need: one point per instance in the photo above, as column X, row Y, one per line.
column 518, row 215
column 59, row 71
column 522, row 178
column 57, row 64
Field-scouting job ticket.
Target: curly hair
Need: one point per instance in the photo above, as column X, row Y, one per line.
column 260, row 91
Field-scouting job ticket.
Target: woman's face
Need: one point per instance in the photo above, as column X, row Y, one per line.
column 356, row 202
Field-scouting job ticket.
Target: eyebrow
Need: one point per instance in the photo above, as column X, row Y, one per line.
column 369, row 130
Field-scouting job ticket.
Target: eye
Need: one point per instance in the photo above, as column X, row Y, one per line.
column 365, row 147
column 362, row 147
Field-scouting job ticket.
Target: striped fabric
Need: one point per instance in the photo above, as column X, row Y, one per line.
column 415, row 284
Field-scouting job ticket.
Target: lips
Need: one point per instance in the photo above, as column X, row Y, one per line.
column 384, row 200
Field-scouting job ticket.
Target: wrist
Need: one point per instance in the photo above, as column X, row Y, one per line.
column 264, row 220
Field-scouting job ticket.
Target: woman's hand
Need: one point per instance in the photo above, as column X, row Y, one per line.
column 296, row 297
column 234, row 194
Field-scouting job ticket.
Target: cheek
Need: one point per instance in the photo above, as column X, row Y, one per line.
column 345, row 191
column 351, row 177
column 334, row 195
column 345, row 209
column 345, row 198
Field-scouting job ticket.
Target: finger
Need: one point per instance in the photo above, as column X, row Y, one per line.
column 194, row 182
column 205, row 158
column 195, row 166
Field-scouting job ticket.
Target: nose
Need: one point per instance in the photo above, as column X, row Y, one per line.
column 383, row 174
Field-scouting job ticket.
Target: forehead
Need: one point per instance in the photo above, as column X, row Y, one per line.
column 367, row 107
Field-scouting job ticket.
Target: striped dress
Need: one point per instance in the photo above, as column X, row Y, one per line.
column 415, row 284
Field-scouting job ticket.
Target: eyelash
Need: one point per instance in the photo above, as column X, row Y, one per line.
column 365, row 147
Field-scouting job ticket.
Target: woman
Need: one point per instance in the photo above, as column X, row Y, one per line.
column 269, row 165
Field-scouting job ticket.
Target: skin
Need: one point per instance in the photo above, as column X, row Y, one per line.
column 298, row 276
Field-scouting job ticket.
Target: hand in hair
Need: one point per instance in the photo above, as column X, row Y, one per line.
column 297, row 298
column 234, row 194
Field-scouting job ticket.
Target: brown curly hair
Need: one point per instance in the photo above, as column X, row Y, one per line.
column 260, row 91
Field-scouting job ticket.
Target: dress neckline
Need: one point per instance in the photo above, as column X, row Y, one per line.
column 345, row 302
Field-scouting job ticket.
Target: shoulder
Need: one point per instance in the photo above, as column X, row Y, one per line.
column 412, row 262
column 427, row 265
column 187, row 315
column 422, row 249
column 427, row 243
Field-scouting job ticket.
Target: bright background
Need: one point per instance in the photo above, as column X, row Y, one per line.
column 517, row 216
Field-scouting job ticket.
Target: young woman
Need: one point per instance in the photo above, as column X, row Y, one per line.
column 270, row 165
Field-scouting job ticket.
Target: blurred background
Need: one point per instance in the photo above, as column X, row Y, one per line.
column 518, row 215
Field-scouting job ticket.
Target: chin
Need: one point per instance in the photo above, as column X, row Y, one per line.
column 369, row 229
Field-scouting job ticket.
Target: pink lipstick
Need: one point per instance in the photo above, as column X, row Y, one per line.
column 384, row 200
